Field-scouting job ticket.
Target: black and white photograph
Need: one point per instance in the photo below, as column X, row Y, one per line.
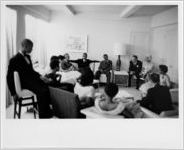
column 83, row 62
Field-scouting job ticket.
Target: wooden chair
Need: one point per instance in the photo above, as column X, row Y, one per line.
column 23, row 97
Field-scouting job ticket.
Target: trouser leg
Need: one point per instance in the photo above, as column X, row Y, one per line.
column 43, row 97
column 97, row 75
column 137, row 80
column 108, row 75
column 129, row 80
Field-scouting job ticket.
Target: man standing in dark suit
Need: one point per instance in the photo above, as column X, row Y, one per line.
column 135, row 69
column 84, row 62
column 29, row 79
column 158, row 98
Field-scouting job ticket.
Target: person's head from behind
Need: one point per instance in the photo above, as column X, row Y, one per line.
column 155, row 78
column 163, row 69
column 61, row 58
column 148, row 59
column 110, row 90
column 86, row 78
column 53, row 58
column 105, row 56
column 27, row 46
column 84, row 56
column 54, row 65
column 67, row 56
column 134, row 58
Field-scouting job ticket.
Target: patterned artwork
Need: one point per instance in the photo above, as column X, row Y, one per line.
column 76, row 43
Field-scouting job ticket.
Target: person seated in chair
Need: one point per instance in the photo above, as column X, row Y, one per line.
column 54, row 78
column 147, row 67
column 158, row 98
column 66, row 65
column 135, row 68
column 84, row 87
column 164, row 78
column 29, row 78
column 104, row 68
column 84, row 62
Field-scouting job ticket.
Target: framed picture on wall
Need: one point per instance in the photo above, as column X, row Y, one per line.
column 76, row 43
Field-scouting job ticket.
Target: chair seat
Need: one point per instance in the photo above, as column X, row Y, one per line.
column 25, row 93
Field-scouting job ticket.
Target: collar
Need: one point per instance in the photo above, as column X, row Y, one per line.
column 23, row 54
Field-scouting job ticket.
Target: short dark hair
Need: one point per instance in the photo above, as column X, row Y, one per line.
column 155, row 77
column 135, row 56
column 111, row 89
column 54, row 58
column 61, row 57
column 54, row 64
column 163, row 68
column 86, row 77
column 26, row 42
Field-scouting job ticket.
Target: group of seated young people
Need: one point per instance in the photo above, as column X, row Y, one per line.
column 155, row 91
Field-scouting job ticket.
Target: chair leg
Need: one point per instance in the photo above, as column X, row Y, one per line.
column 34, row 107
column 20, row 106
column 15, row 108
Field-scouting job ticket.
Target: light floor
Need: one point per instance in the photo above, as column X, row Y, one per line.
column 27, row 115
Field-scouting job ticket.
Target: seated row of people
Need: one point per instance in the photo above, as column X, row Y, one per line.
column 65, row 65
column 140, row 70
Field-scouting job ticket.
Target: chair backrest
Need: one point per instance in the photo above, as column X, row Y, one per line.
column 18, row 88
column 174, row 95
column 65, row 104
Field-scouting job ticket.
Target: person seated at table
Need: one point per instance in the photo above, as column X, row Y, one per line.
column 158, row 98
column 147, row 67
column 164, row 78
column 83, row 62
column 84, row 87
column 106, row 104
column 135, row 68
column 104, row 68
column 146, row 86
column 66, row 65
column 54, row 78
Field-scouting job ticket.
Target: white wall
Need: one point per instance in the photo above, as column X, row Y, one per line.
column 102, row 34
column 164, row 41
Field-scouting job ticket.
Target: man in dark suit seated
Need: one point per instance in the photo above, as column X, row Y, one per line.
column 30, row 79
column 105, row 68
column 158, row 98
column 135, row 69
column 84, row 62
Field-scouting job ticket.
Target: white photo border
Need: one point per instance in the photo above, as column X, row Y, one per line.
column 76, row 133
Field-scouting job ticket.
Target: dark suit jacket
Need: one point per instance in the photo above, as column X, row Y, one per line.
column 105, row 65
column 136, row 68
column 25, row 70
column 82, row 64
column 158, row 99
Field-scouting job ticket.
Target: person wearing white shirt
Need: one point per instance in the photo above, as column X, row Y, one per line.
column 84, row 88
column 147, row 66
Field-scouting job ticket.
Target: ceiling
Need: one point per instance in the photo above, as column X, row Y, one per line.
column 123, row 11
